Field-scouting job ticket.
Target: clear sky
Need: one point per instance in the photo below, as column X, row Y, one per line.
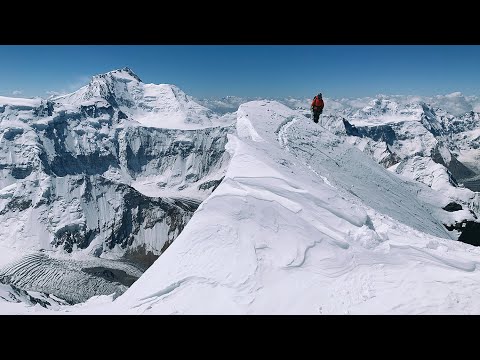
column 257, row 70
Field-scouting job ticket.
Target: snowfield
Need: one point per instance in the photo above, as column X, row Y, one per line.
column 305, row 220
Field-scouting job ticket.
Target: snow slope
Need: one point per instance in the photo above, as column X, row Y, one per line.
column 294, row 234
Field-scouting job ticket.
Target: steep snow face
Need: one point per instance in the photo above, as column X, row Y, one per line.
column 81, row 171
column 306, row 223
column 83, row 167
column 88, row 212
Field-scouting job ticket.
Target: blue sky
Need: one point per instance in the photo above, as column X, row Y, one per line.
column 257, row 70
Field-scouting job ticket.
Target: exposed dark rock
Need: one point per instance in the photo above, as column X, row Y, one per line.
column 21, row 172
column 383, row 133
column 17, row 204
column 142, row 258
column 45, row 109
column 451, row 207
column 95, row 111
column 473, row 185
column 122, row 115
column 210, row 184
column 71, row 235
column 112, row 275
column 351, row 129
column 11, row 133
column 470, row 231
column 456, row 168
column 390, row 160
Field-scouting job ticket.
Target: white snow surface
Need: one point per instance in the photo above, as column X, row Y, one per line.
column 293, row 234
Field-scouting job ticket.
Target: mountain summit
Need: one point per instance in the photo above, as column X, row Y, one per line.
column 153, row 105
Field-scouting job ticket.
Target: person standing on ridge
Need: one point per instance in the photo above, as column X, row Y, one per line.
column 317, row 107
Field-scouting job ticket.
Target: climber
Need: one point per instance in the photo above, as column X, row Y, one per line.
column 317, row 107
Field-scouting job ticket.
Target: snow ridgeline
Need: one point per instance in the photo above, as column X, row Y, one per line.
column 306, row 223
column 434, row 140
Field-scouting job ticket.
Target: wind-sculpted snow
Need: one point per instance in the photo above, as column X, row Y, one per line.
column 306, row 223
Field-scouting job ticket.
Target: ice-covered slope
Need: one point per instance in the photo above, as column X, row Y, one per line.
column 306, row 223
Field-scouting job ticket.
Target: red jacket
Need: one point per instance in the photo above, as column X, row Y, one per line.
column 317, row 103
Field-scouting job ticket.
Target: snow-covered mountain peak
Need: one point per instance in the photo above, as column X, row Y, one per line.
column 152, row 105
column 114, row 87
column 126, row 74
column 122, row 75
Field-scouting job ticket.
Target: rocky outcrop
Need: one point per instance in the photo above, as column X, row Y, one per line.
column 469, row 231
column 453, row 206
